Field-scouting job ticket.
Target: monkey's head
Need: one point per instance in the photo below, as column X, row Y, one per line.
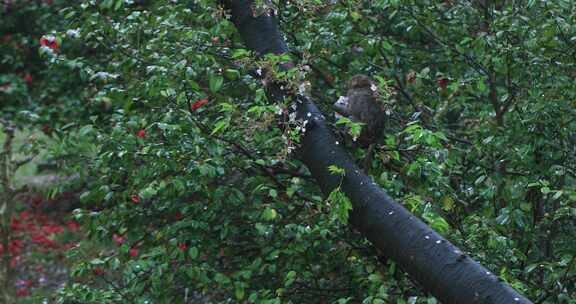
column 359, row 81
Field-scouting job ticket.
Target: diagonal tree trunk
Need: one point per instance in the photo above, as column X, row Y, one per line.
column 441, row 268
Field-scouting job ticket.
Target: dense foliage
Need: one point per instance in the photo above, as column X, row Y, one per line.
column 191, row 193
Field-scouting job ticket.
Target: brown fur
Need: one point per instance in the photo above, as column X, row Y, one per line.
column 363, row 106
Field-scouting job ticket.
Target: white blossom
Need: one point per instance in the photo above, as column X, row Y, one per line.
column 302, row 88
column 73, row 33
column 46, row 50
column 104, row 76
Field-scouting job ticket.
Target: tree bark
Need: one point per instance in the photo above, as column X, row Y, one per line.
column 442, row 269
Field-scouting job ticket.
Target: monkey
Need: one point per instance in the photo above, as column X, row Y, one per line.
column 361, row 105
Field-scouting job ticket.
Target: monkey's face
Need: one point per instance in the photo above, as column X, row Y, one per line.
column 359, row 81
column 341, row 105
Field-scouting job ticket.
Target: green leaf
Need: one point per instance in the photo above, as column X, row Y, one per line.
column 340, row 205
column 375, row 278
column 557, row 195
column 239, row 293
column 193, row 253
column 85, row 196
column 215, row 83
column 290, row 277
column 118, row 4
column 232, row 74
column 333, row 169
column 269, row 214
column 480, row 179
column 85, row 130
column 481, row 86
column 97, row 262
column 386, row 45
column 219, row 126
column 355, row 16
column 240, row 53
column 222, row 279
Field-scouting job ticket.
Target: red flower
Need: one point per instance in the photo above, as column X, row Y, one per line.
column 133, row 252
column 37, row 198
column 14, row 247
column 73, row 225
column 16, row 225
column 118, row 238
column 49, row 41
column 24, row 283
column 43, row 241
column 442, row 83
column 98, row 271
column 15, row 261
column 22, row 292
column 28, row 78
column 141, row 133
column 6, row 38
column 178, row 216
column 135, row 198
column 183, row 246
column 198, row 104
column 46, row 129
column 24, row 214
column 52, row 229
